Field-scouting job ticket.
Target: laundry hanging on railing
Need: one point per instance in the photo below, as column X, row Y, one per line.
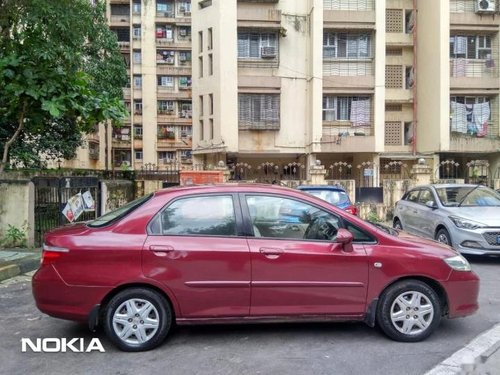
column 481, row 115
column 360, row 112
column 470, row 119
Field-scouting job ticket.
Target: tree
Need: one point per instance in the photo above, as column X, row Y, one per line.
column 61, row 73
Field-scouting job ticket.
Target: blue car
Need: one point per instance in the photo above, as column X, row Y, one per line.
column 333, row 194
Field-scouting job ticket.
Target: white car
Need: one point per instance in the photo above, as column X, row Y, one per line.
column 466, row 217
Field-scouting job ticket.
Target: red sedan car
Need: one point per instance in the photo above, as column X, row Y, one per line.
column 230, row 254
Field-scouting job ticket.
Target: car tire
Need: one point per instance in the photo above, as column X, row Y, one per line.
column 409, row 311
column 443, row 236
column 137, row 319
column 397, row 224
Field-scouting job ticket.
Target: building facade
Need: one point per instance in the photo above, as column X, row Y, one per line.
column 155, row 40
column 367, row 87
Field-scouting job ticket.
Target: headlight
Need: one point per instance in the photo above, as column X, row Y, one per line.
column 465, row 223
column 458, row 263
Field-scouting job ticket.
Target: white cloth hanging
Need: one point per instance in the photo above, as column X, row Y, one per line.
column 458, row 117
column 360, row 112
column 481, row 115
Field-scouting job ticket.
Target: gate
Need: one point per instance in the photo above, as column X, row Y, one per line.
column 52, row 194
column 367, row 189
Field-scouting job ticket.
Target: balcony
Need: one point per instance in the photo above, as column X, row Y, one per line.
column 348, row 72
column 465, row 12
column 341, row 138
column 350, row 13
column 119, row 20
column 474, row 73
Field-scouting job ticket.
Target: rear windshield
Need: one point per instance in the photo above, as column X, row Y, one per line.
column 119, row 212
column 468, row 196
column 334, row 197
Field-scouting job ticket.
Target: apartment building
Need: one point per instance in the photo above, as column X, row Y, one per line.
column 155, row 41
column 367, row 87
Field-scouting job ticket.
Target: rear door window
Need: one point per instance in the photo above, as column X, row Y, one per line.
column 206, row 215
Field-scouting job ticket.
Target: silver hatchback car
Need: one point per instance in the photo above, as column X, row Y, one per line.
column 466, row 217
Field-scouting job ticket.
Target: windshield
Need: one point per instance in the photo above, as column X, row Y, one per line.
column 467, row 196
column 334, row 197
column 118, row 213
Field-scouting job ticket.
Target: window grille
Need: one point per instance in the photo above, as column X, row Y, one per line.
column 394, row 20
column 394, row 76
column 259, row 111
column 393, row 134
column 257, row 46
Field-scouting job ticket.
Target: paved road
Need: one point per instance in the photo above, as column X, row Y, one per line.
column 252, row 349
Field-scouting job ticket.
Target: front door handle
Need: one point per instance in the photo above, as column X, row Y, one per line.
column 161, row 248
column 271, row 251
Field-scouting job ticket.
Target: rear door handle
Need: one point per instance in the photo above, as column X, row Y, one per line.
column 161, row 248
column 271, row 251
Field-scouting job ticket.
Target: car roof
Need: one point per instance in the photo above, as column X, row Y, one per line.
column 321, row 187
column 438, row 186
column 227, row 187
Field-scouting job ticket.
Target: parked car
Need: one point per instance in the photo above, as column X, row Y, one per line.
column 333, row 194
column 466, row 217
column 221, row 254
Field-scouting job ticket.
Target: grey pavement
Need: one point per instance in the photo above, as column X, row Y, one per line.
column 480, row 356
column 16, row 261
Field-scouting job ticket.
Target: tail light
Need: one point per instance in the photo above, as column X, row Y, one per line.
column 352, row 210
column 52, row 253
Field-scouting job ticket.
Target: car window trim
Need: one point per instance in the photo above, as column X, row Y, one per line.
column 236, row 210
column 249, row 225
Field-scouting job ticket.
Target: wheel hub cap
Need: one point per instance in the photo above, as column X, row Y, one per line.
column 412, row 313
column 136, row 321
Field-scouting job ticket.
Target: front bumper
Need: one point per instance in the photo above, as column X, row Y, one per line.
column 56, row 298
column 482, row 241
column 463, row 292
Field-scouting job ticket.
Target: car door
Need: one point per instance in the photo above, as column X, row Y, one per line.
column 298, row 269
column 424, row 216
column 193, row 248
column 406, row 210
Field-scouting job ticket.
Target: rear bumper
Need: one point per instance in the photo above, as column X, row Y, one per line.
column 56, row 298
column 463, row 292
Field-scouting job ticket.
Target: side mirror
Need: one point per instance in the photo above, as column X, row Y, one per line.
column 431, row 204
column 345, row 238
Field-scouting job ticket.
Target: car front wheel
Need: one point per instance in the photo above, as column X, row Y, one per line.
column 137, row 319
column 443, row 236
column 409, row 311
column 397, row 224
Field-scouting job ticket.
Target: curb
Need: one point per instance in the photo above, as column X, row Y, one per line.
column 23, row 265
column 475, row 352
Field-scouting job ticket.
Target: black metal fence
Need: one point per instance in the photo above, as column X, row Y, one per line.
column 52, row 195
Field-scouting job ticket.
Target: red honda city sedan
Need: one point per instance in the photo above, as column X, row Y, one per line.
column 231, row 254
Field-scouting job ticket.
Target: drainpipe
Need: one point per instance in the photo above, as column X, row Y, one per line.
column 415, row 72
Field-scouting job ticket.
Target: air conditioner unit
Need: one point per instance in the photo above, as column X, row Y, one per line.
column 182, row 32
column 170, row 60
column 268, row 52
column 485, row 6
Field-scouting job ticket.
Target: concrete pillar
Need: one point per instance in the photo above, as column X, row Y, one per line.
column 421, row 174
column 318, row 173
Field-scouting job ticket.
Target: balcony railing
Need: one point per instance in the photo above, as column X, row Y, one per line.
column 474, row 68
column 353, row 5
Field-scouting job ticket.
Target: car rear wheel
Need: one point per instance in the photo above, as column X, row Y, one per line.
column 397, row 224
column 137, row 319
column 409, row 311
column 443, row 236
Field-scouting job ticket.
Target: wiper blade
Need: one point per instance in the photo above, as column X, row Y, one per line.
column 469, row 193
